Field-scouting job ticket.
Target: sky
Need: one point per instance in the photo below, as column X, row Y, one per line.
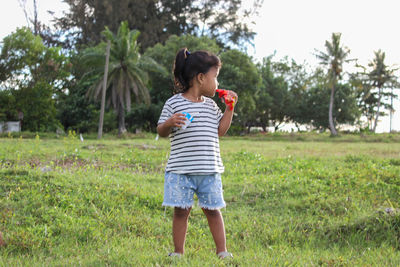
column 292, row 28
column 296, row 28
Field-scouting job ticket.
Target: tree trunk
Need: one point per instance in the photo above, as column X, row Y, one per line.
column 264, row 127
column 103, row 92
column 276, row 126
column 331, row 124
column 297, row 126
column 35, row 19
column 121, row 120
column 391, row 111
column 377, row 112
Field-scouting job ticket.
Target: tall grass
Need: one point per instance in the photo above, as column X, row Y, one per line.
column 98, row 203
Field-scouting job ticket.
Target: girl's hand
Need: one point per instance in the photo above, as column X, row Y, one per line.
column 231, row 97
column 232, row 94
column 176, row 120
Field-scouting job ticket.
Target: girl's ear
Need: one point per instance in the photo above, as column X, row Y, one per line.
column 200, row 78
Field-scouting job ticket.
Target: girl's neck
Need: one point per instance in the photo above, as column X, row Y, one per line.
column 193, row 95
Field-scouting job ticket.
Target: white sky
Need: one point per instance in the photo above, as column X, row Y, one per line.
column 293, row 28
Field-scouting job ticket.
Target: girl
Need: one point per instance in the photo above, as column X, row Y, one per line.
column 195, row 164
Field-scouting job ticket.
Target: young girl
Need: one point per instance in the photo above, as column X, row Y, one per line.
column 195, row 164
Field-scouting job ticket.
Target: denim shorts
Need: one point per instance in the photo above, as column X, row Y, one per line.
column 179, row 190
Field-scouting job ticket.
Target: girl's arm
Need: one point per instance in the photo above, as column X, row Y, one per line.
column 226, row 119
column 176, row 120
column 225, row 122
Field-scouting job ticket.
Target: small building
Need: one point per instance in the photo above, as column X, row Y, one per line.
column 10, row 126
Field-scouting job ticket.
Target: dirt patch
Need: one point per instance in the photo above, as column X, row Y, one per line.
column 70, row 162
column 65, row 163
column 94, row 147
column 2, row 242
column 137, row 168
column 145, row 147
column 141, row 146
column 79, row 163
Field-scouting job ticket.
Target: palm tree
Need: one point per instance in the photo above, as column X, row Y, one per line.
column 334, row 58
column 127, row 73
column 381, row 76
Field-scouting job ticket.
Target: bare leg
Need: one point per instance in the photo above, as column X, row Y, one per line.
column 217, row 228
column 179, row 228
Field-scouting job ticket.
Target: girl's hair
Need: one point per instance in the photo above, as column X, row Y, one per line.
column 187, row 65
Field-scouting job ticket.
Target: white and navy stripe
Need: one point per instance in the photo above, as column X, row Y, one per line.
column 194, row 150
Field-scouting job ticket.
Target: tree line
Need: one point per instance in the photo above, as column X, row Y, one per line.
column 53, row 79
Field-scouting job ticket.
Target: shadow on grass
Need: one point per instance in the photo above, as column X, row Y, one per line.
column 373, row 230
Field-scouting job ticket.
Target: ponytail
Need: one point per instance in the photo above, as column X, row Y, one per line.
column 187, row 65
column 181, row 84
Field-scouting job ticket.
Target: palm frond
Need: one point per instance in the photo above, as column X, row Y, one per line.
column 138, row 88
column 91, row 92
column 139, row 76
column 108, row 35
column 133, row 36
column 134, row 87
column 334, row 57
column 150, row 65
column 119, row 87
column 127, row 72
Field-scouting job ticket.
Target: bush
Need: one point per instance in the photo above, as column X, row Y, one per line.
column 143, row 117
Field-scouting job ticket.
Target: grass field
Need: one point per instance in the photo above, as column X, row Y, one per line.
column 302, row 201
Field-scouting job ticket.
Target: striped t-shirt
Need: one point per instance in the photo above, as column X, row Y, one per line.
column 194, row 150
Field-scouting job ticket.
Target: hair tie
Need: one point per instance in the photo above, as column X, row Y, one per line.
column 187, row 53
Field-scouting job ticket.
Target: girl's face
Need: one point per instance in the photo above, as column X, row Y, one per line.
column 210, row 83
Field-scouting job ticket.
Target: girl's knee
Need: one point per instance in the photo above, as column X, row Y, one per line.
column 179, row 212
column 211, row 212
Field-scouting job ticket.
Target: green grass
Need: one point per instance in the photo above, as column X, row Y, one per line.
column 318, row 202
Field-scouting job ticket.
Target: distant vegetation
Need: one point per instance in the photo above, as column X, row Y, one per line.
column 51, row 79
